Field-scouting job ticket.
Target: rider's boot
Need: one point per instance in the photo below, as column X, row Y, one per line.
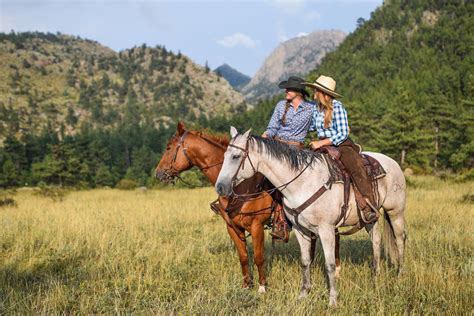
column 280, row 229
column 367, row 205
column 370, row 213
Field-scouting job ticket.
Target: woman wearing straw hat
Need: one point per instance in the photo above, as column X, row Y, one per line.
column 330, row 122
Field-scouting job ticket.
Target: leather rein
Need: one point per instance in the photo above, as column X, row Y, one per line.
column 242, row 165
column 181, row 145
column 295, row 212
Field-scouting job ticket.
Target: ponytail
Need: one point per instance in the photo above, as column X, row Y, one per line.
column 287, row 107
column 283, row 117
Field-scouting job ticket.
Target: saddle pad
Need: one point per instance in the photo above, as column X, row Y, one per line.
column 372, row 166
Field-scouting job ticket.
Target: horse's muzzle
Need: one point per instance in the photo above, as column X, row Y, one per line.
column 163, row 176
column 223, row 189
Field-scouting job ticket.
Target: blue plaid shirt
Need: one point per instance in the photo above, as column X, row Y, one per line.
column 338, row 130
column 297, row 122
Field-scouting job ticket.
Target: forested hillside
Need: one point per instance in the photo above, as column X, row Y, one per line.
column 407, row 76
column 65, row 81
column 75, row 112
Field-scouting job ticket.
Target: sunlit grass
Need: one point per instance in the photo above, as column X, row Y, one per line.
column 106, row 251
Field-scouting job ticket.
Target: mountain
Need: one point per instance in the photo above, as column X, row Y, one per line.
column 296, row 56
column 61, row 82
column 236, row 79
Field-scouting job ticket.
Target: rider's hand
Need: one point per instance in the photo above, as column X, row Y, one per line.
column 316, row 144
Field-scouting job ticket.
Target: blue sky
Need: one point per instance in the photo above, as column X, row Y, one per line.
column 240, row 33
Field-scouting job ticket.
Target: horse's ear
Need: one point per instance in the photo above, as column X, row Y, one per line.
column 247, row 133
column 180, row 128
column 233, row 132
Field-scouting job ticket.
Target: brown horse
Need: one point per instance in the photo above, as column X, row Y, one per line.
column 186, row 149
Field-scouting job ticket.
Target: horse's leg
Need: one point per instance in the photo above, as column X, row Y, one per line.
column 396, row 229
column 313, row 249
column 337, row 273
column 336, row 253
column 258, row 239
column 305, row 248
column 241, row 246
column 328, row 241
column 376, row 238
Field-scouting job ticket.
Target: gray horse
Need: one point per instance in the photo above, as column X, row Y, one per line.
column 300, row 173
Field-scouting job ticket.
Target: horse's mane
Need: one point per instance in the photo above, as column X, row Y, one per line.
column 220, row 139
column 296, row 158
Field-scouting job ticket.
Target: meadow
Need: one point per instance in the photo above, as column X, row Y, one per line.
column 165, row 252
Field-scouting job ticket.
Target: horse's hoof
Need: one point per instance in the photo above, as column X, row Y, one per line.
column 332, row 302
column 303, row 294
column 261, row 289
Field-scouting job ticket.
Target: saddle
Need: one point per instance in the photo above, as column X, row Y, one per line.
column 340, row 174
column 372, row 166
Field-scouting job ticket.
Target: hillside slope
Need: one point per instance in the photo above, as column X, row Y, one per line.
column 63, row 81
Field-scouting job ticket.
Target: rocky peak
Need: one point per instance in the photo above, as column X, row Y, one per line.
column 296, row 56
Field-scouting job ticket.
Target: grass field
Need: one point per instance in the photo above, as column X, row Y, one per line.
column 162, row 252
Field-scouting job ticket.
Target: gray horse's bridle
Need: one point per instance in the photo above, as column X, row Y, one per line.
column 241, row 165
column 244, row 156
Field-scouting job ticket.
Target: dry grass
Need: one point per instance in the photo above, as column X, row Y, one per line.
column 161, row 252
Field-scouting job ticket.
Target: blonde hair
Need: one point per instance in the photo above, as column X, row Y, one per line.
column 326, row 103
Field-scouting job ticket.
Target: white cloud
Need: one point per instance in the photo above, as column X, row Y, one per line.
column 301, row 34
column 237, row 39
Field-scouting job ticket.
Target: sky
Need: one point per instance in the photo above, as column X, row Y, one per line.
column 241, row 33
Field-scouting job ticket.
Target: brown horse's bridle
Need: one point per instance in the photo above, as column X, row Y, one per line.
column 180, row 144
column 175, row 172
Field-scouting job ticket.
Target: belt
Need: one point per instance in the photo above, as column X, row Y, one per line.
column 290, row 142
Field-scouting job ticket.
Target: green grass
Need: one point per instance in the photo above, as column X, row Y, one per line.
column 161, row 252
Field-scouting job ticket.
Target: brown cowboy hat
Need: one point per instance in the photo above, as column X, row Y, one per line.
column 295, row 84
column 324, row 84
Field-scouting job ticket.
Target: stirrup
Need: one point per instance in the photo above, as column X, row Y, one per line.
column 282, row 235
column 374, row 215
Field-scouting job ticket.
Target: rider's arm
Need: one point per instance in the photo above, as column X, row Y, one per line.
column 341, row 124
column 274, row 124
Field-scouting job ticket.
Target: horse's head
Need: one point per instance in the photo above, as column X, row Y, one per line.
column 174, row 159
column 237, row 165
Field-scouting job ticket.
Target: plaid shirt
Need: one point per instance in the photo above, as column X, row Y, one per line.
column 338, row 130
column 297, row 122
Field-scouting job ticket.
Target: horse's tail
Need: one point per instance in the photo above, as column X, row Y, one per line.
column 389, row 241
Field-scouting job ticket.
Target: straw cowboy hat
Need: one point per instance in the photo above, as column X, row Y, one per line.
column 324, row 84
column 295, row 84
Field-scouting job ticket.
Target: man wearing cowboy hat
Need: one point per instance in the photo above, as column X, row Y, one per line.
column 289, row 123
column 292, row 117
column 330, row 122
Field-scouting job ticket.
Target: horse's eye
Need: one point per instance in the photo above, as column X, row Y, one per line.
column 235, row 157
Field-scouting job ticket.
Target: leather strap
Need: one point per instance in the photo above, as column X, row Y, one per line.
column 311, row 200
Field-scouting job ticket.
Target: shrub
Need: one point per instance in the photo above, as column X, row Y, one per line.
column 55, row 193
column 127, row 184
